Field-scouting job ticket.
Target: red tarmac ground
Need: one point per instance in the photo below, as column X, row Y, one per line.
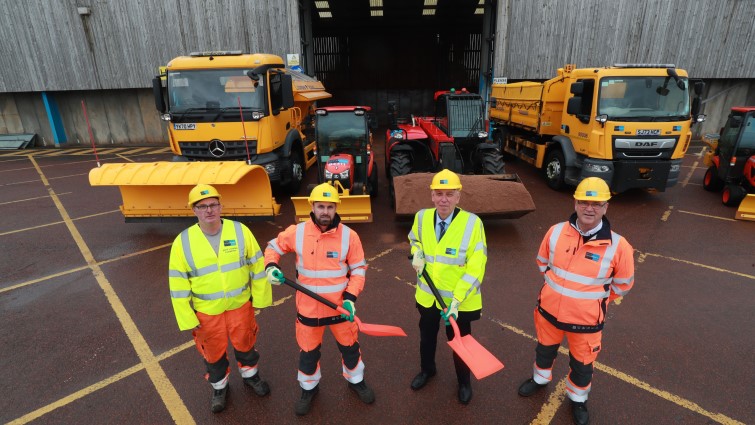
column 87, row 333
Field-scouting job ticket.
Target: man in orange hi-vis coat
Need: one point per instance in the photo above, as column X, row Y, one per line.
column 585, row 266
column 330, row 262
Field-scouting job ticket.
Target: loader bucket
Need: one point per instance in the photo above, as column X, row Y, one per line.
column 746, row 210
column 352, row 209
column 158, row 191
column 492, row 196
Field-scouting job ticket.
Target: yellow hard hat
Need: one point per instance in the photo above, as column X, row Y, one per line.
column 324, row 192
column 445, row 179
column 202, row 191
column 592, row 189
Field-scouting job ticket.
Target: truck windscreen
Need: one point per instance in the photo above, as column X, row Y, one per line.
column 643, row 98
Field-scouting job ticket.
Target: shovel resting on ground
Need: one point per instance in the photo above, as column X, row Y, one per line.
column 366, row 328
column 481, row 362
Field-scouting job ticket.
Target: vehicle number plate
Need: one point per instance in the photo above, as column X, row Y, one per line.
column 648, row 132
column 184, row 126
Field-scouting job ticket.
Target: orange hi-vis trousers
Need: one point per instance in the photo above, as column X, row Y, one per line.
column 309, row 339
column 583, row 350
column 212, row 337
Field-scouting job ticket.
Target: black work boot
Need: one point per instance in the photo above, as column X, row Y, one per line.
column 218, row 399
column 260, row 387
column 303, row 405
column 364, row 392
column 579, row 413
column 530, row 387
column 421, row 379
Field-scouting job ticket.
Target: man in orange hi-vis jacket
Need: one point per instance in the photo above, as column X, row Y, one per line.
column 585, row 266
column 330, row 262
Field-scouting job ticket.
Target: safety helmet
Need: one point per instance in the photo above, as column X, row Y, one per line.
column 592, row 189
column 202, row 191
column 324, row 192
column 445, row 179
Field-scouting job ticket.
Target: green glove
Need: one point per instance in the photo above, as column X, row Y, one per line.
column 274, row 275
column 352, row 309
column 452, row 310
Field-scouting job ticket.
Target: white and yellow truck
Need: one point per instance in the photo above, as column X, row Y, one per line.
column 628, row 124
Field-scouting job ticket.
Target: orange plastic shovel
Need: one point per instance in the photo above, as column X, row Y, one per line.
column 366, row 328
column 481, row 362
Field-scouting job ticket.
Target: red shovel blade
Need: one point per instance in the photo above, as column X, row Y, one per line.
column 481, row 362
column 379, row 330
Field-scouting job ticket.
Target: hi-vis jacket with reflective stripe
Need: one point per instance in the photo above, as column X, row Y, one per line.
column 327, row 263
column 582, row 278
column 216, row 283
column 456, row 263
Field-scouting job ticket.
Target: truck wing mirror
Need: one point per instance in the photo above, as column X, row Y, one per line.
column 157, row 91
column 574, row 106
column 699, row 87
column 577, row 88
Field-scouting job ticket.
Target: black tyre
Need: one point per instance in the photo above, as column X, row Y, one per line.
column 492, row 162
column 295, row 169
column 555, row 169
column 374, row 181
column 401, row 164
column 733, row 195
column 711, row 181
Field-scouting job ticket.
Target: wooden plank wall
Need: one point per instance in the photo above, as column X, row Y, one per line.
column 121, row 43
column 708, row 38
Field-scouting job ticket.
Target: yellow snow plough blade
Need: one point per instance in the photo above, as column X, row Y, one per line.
column 158, row 191
column 746, row 210
column 493, row 196
column 352, row 209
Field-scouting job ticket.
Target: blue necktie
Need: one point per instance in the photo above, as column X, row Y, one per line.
column 442, row 229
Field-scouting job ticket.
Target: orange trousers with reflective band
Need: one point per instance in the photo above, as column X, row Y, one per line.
column 212, row 338
column 582, row 346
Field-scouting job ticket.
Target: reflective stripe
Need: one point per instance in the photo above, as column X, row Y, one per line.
column 424, row 288
column 541, row 376
column 577, row 278
column 231, row 267
column 220, row 384
column 481, row 247
column 241, row 245
column 468, row 229
column 180, row 294
column 358, row 272
column 221, row 294
column 345, row 232
column 618, row 291
column 552, row 242
column 472, row 281
column 318, row 274
column 623, row 280
column 212, row 268
column 359, row 264
column 178, row 273
column 325, row 289
column 458, row 261
column 273, row 244
column 260, row 275
column 194, row 272
column 300, row 244
column 355, row 375
column 543, row 269
column 420, row 217
column 541, row 259
column 575, row 294
column 247, row 371
column 576, row 393
column 307, row 382
column 187, row 252
column 605, row 264
column 255, row 258
column 429, row 258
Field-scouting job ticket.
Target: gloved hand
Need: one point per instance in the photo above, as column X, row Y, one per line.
column 452, row 310
column 418, row 261
column 274, row 275
column 352, row 309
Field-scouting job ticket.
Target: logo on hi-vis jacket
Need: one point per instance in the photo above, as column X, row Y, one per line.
column 591, row 256
column 450, row 251
column 331, row 254
column 229, row 243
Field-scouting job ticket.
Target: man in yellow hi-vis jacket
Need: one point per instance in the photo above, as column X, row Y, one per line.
column 212, row 265
column 450, row 244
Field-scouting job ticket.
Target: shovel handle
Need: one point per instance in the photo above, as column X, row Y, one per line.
column 311, row 294
column 434, row 289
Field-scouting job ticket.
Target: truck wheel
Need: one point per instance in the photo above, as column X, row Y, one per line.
column 492, row 162
column 711, row 181
column 401, row 164
column 555, row 168
column 733, row 195
column 296, row 170
column 374, row 181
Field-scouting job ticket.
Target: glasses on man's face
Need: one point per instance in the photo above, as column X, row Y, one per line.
column 205, row 207
column 595, row 205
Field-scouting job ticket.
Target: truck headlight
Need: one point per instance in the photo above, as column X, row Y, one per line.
column 482, row 134
column 597, row 168
column 397, row 134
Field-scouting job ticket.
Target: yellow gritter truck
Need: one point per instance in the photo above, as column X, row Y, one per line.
column 628, row 124
column 239, row 121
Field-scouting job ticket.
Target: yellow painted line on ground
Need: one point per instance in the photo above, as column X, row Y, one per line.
column 111, row 380
column 679, row 401
column 548, row 411
column 56, row 222
column 50, row 178
column 165, row 388
column 125, row 158
column 689, row 175
column 667, row 213
column 380, row 254
column 32, row 199
column 707, row 215
column 718, row 269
